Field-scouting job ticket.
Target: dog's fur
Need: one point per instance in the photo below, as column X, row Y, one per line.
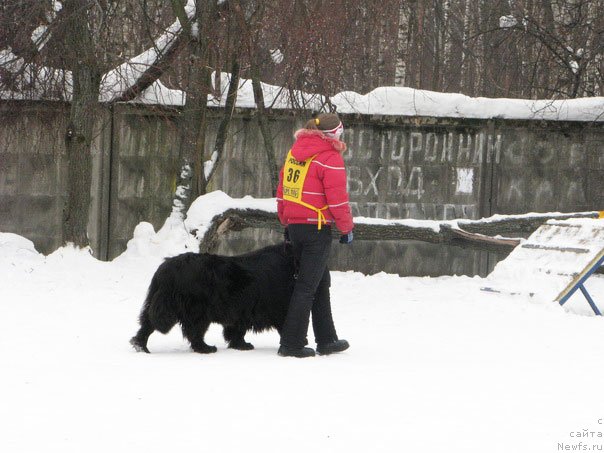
column 245, row 292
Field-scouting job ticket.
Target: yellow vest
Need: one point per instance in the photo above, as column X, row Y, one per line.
column 294, row 175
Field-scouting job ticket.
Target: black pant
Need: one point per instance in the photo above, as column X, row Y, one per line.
column 311, row 248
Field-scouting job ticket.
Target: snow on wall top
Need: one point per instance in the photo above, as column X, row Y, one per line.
column 400, row 101
column 412, row 102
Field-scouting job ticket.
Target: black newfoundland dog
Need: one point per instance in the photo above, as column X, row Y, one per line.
column 245, row 292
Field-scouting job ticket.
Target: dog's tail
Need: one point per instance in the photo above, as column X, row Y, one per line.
column 158, row 309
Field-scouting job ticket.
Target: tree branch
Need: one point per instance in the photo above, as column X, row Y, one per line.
column 154, row 71
column 139, row 73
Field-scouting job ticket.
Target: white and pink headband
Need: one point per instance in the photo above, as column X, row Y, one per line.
column 336, row 132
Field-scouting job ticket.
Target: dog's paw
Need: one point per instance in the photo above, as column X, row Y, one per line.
column 241, row 346
column 205, row 349
column 137, row 346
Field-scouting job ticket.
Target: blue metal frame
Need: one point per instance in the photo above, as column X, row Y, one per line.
column 579, row 285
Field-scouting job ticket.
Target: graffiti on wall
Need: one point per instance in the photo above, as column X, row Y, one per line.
column 405, row 171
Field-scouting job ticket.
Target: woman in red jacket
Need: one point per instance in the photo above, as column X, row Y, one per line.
column 312, row 197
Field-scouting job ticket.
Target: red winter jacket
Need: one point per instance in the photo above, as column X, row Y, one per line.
column 325, row 182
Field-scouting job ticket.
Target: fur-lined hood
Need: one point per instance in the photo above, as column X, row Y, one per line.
column 314, row 139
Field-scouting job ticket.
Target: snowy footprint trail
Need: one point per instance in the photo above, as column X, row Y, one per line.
column 435, row 365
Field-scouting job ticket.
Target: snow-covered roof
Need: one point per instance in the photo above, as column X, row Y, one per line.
column 401, row 101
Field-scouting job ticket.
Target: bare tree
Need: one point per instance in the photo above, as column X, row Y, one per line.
column 570, row 34
column 69, row 50
column 519, row 48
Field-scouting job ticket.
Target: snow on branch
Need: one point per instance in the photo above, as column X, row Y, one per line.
column 131, row 78
column 25, row 80
column 507, row 21
column 41, row 35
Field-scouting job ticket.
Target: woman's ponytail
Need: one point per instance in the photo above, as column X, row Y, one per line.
column 323, row 122
column 312, row 123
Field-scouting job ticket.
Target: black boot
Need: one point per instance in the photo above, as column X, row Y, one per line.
column 334, row 346
column 301, row 353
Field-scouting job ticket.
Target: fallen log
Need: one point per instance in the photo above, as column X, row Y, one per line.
column 517, row 225
column 474, row 234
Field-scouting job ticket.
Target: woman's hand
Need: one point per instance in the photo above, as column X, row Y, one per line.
column 346, row 238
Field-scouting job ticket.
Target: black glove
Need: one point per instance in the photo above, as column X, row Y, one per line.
column 286, row 238
column 346, row 238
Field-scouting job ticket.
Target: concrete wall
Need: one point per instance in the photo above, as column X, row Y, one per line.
column 144, row 167
column 427, row 168
column 398, row 167
column 33, row 173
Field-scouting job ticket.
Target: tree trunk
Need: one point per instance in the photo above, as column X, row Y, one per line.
column 83, row 111
column 402, row 46
column 193, row 117
column 78, row 139
column 412, row 50
column 223, row 128
column 437, row 36
column 549, row 24
column 264, row 128
column 466, row 70
column 447, row 45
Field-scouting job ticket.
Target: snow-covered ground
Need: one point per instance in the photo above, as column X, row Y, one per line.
column 435, row 365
